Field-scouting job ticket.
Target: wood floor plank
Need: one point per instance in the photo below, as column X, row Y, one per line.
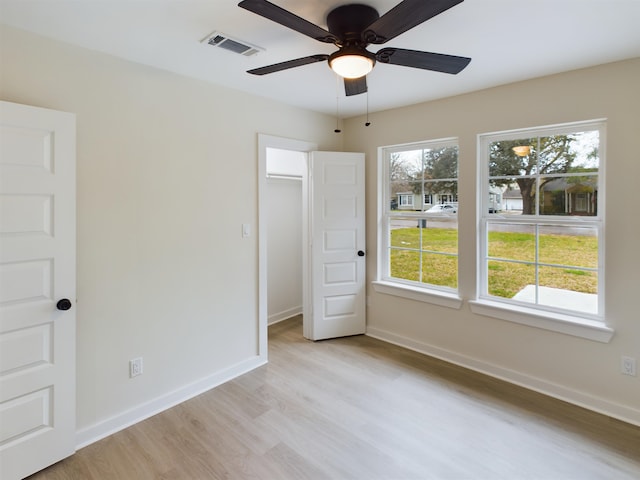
column 358, row 408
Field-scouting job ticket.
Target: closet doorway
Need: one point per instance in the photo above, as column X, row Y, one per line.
column 283, row 205
column 278, row 185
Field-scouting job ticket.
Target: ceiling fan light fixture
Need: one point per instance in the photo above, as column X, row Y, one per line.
column 352, row 63
column 522, row 150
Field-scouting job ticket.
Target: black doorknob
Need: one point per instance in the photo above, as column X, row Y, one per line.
column 360, row 253
column 64, row 304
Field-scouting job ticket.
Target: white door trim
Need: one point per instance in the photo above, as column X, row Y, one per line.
column 264, row 142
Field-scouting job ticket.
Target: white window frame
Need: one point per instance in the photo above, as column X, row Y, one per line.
column 591, row 326
column 384, row 283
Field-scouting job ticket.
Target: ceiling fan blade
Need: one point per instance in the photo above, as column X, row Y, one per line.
column 287, row 19
column 298, row 62
column 355, row 86
column 437, row 62
column 404, row 16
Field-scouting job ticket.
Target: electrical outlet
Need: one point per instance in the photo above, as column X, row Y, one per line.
column 135, row 367
column 628, row 366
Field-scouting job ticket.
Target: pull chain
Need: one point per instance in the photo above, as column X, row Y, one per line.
column 337, row 130
column 367, row 123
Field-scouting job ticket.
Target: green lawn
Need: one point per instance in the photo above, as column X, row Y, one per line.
column 506, row 276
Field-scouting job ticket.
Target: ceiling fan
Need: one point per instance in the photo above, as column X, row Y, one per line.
column 352, row 28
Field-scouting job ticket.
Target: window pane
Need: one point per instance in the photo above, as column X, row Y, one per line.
column 440, row 270
column 568, row 246
column 567, row 288
column 405, row 166
column 512, row 242
column 440, row 235
column 576, row 280
column 507, row 279
column 405, row 264
column 441, row 163
column 516, row 195
column 555, row 154
column 585, row 147
column 569, row 153
column 505, row 195
column 405, row 180
column 404, row 234
column 442, row 192
column 575, row 195
column 512, row 157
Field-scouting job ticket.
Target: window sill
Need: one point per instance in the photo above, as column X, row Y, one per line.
column 555, row 322
column 444, row 299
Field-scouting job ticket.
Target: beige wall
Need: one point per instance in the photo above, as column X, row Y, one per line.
column 582, row 371
column 167, row 174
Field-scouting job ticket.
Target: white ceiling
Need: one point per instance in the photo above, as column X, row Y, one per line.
column 508, row 41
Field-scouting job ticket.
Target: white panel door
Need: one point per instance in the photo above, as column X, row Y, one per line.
column 37, row 288
column 338, row 296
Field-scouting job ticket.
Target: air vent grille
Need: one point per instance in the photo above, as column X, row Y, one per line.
column 221, row 40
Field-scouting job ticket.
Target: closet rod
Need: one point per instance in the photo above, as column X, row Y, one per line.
column 283, row 176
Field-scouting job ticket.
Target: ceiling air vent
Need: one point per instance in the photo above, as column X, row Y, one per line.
column 222, row 40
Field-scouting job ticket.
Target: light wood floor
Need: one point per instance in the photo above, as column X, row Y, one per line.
column 358, row 408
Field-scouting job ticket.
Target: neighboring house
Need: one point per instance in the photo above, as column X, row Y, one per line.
column 571, row 196
column 512, row 198
column 417, row 201
column 421, row 202
column 495, row 200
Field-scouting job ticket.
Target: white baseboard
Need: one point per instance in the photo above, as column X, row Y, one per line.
column 104, row 428
column 281, row 316
column 576, row 397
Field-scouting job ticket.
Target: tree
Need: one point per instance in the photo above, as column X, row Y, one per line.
column 441, row 166
column 424, row 171
column 397, row 168
column 400, row 173
column 546, row 156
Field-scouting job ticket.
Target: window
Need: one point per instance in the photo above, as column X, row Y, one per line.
column 405, row 199
column 419, row 248
column 544, row 253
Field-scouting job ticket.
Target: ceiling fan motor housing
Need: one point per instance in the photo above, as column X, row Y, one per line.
column 348, row 22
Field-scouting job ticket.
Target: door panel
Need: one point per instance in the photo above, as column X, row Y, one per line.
column 37, row 268
column 337, row 231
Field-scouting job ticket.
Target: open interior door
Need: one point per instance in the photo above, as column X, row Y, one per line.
column 336, row 303
column 37, row 288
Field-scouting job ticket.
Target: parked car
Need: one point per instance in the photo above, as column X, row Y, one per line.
column 443, row 208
